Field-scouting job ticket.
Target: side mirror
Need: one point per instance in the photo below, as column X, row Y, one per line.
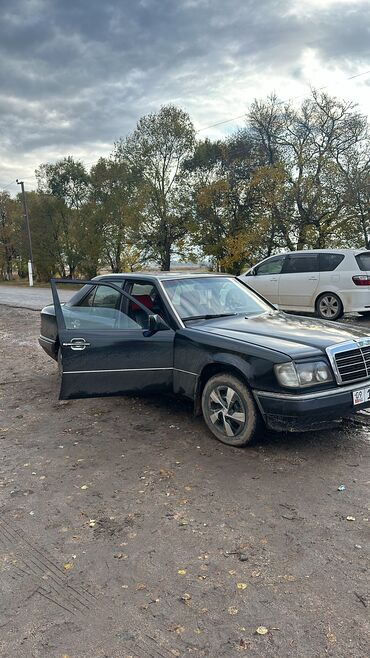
column 155, row 323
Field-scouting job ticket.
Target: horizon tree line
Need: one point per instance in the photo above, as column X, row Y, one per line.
column 291, row 178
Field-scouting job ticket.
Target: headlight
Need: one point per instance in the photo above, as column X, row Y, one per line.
column 296, row 375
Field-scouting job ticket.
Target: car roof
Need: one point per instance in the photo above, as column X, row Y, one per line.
column 332, row 250
column 160, row 276
column 324, row 251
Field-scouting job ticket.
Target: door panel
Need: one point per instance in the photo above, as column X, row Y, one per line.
column 105, row 352
column 299, row 281
column 265, row 279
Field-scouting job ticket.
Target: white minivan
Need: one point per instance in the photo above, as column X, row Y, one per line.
column 327, row 282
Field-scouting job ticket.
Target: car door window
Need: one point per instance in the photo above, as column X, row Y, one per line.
column 101, row 309
column 271, row 266
column 301, row 263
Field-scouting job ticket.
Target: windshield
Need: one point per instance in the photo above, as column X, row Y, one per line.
column 212, row 296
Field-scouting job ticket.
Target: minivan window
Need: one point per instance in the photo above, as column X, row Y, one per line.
column 271, row 266
column 329, row 262
column 300, row 263
column 363, row 261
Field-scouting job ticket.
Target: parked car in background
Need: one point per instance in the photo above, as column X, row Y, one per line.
column 211, row 339
column 327, row 282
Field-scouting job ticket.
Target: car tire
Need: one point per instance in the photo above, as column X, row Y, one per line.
column 329, row 306
column 229, row 410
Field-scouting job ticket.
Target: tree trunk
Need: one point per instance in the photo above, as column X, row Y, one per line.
column 166, row 259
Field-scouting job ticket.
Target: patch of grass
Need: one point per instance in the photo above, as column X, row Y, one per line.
column 24, row 282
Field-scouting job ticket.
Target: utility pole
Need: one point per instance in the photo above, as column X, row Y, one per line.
column 27, row 221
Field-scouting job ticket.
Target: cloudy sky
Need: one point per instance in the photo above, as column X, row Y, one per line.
column 77, row 74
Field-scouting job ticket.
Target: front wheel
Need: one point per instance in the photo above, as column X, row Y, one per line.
column 229, row 410
column 329, row 306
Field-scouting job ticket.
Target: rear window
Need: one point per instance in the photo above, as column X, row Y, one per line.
column 329, row 262
column 363, row 261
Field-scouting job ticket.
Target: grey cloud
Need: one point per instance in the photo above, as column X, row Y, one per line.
column 83, row 72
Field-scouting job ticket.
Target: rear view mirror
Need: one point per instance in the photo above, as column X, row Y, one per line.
column 155, row 323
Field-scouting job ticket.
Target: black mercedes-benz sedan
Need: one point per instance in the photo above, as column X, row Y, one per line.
column 210, row 338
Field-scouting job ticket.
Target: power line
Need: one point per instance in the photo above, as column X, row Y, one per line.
column 5, row 187
column 220, row 123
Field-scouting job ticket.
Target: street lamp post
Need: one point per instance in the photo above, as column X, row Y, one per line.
column 27, row 221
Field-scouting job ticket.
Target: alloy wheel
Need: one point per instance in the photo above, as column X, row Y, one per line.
column 226, row 411
column 329, row 307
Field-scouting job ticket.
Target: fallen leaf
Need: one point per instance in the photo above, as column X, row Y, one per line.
column 331, row 637
column 67, row 566
column 181, row 572
column 92, row 523
column 351, row 518
column 241, row 585
column 165, row 473
column 179, row 629
column 84, row 486
column 262, row 630
column 232, row 610
column 186, row 597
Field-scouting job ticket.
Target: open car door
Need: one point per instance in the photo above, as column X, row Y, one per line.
column 103, row 351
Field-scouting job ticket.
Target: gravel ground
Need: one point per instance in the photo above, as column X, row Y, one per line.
column 127, row 531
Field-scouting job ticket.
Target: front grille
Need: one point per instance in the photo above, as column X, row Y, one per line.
column 351, row 361
column 354, row 364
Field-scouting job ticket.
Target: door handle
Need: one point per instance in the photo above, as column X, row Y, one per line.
column 77, row 344
column 273, row 279
column 313, row 278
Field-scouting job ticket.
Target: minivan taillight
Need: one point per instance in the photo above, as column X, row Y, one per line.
column 361, row 280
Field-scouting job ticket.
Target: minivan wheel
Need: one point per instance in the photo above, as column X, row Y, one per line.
column 229, row 410
column 329, row 306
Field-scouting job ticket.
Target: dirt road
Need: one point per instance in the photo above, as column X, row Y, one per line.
column 126, row 530
column 30, row 298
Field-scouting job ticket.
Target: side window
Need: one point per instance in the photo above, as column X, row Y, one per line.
column 271, row 266
column 99, row 310
column 147, row 294
column 300, row 263
column 106, row 297
column 88, row 300
column 363, row 261
column 329, row 262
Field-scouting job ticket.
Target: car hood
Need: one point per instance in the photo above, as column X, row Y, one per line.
column 290, row 334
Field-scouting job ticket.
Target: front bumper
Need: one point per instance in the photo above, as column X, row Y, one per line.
column 307, row 411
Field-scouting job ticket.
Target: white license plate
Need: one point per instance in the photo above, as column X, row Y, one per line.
column 361, row 395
